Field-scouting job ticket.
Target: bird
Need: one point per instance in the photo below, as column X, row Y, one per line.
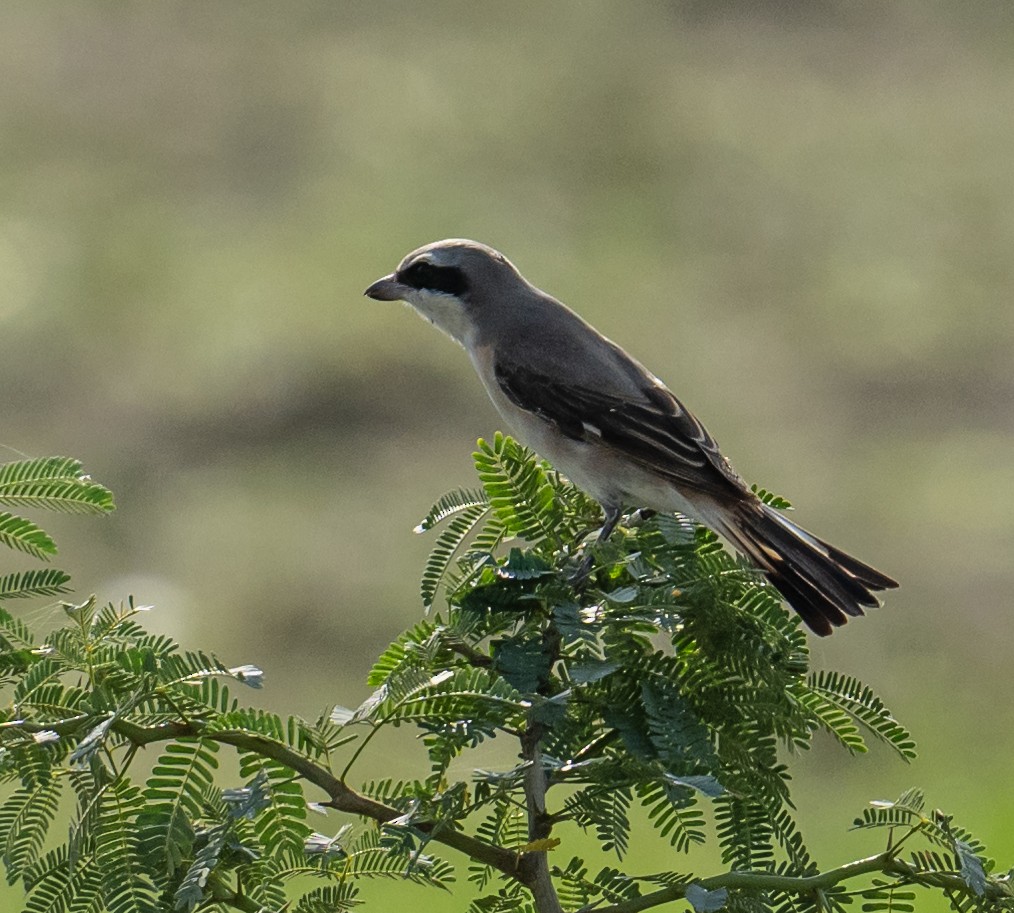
column 611, row 426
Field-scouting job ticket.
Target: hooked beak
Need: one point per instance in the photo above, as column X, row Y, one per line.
column 386, row 289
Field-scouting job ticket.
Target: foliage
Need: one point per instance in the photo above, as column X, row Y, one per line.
column 669, row 678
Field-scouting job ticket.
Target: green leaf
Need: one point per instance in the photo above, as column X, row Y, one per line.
column 450, row 504
column 745, row 832
column 55, row 483
column 416, row 649
column 519, row 490
column 906, row 810
column 673, row 812
column 446, row 547
column 675, row 730
column 25, row 817
column 887, row 898
column 23, row 535
column 370, row 857
column 523, row 565
column 14, row 633
column 504, row 826
column 772, row 500
column 43, row 582
column 860, row 702
column 281, row 825
column 834, row 719
column 333, row 899
column 616, row 886
column 174, row 798
column 593, row 670
column 478, row 696
column 128, row 887
column 524, row 662
column 58, row 884
column 604, row 809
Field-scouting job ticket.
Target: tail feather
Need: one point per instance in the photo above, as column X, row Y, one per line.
column 823, row 584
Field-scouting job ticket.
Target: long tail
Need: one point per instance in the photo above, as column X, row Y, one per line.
column 823, row 584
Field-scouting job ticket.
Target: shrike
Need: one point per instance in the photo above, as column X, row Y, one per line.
column 610, row 425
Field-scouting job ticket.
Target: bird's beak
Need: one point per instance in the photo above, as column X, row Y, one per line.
column 386, row 289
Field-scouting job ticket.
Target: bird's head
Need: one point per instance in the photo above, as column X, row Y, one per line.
column 450, row 283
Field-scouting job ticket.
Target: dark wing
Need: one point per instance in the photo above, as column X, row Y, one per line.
column 655, row 430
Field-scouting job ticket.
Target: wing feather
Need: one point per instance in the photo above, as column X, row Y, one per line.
column 654, row 429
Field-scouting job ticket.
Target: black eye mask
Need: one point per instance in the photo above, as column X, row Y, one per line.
column 425, row 275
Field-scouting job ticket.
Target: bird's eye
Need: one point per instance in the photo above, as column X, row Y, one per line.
column 425, row 275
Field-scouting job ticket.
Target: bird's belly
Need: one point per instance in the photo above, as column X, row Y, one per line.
column 609, row 476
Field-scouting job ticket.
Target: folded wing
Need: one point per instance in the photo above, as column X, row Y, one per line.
column 652, row 428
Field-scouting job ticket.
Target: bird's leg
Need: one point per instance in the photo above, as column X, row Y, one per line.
column 612, row 518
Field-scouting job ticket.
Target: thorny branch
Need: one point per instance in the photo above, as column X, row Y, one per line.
column 529, row 868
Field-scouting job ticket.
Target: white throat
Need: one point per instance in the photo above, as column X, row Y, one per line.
column 445, row 312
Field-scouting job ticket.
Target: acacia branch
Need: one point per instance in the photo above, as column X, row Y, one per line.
column 340, row 796
column 883, row 863
column 535, row 865
column 530, row 868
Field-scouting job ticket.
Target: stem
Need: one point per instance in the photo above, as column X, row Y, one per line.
column 374, row 728
column 475, row 658
column 223, row 894
column 535, row 865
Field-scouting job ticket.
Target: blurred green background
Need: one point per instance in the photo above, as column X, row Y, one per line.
column 799, row 214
